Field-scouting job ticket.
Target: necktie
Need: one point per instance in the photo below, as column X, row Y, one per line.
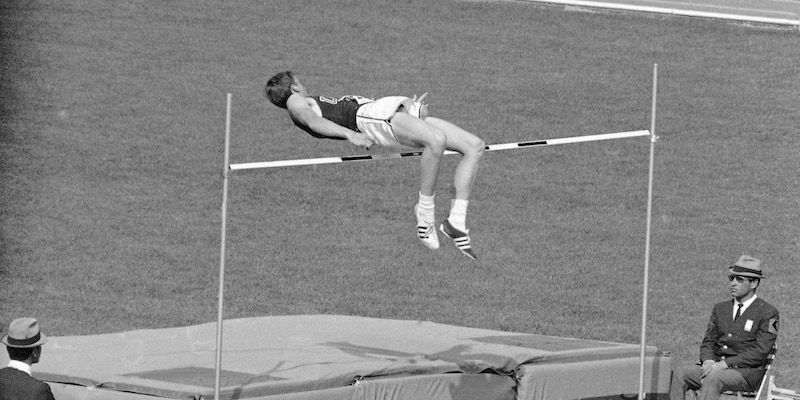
column 738, row 312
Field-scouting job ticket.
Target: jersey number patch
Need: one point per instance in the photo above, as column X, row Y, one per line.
column 328, row 100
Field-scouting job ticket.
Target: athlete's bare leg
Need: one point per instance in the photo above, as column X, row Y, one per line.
column 436, row 135
column 414, row 132
column 471, row 148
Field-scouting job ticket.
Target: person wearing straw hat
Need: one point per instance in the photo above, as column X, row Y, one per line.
column 24, row 344
column 392, row 122
column 740, row 335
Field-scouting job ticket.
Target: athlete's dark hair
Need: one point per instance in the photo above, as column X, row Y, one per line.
column 279, row 88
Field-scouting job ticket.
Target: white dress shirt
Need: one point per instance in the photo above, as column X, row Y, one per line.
column 20, row 366
column 744, row 304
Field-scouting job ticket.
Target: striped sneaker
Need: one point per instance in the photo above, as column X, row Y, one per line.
column 426, row 232
column 461, row 239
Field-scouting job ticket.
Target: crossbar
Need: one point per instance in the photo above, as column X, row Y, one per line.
column 492, row 147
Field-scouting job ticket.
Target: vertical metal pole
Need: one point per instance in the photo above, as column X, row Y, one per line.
column 220, row 295
column 645, row 289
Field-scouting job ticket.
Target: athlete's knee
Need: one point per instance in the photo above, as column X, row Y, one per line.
column 479, row 146
column 475, row 147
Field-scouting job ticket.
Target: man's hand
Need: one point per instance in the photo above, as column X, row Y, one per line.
column 710, row 366
column 423, row 107
column 360, row 140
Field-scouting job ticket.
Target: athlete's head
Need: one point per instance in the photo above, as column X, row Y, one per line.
column 279, row 88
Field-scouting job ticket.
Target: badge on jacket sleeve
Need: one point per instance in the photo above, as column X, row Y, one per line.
column 773, row 326
column 748, row 326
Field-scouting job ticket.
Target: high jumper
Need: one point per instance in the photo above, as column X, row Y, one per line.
column 392, row 122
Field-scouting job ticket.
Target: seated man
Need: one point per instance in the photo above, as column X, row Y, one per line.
column 740, row 334
column 393, row 121
column 24, row 345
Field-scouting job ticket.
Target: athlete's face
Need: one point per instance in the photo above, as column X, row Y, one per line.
column 298, row 88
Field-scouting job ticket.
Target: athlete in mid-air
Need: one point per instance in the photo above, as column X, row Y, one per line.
column 392, row 122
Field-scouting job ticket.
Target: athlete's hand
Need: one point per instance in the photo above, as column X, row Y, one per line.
column 361, row 140
column 423, row 111
column 423, row 107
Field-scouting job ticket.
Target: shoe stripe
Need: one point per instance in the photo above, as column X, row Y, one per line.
column 424, row 232
column 460, row 239
column 427, row 234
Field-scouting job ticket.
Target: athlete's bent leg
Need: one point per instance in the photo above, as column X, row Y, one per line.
column 470, row 146
column 414, row 132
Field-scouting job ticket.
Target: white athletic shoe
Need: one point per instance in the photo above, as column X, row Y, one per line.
column 428, row 236
column 426, row 232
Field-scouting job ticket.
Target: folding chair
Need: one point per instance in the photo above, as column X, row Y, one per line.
column 740, row 395
column 776, row 393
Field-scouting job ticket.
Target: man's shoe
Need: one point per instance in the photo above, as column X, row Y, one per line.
column 461, row 239
column 427, row 235
column 426, row 232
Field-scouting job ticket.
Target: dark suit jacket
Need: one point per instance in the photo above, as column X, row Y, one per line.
column 17, row 385
column 744, row 344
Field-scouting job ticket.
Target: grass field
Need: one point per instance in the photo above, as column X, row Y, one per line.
column 112, row 151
